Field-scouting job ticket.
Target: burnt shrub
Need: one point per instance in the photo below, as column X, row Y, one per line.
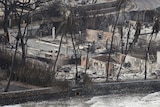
column 5, row 59
column 34, row 72
column 61, row 85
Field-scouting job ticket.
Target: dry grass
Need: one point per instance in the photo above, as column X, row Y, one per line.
column 63, row 85
column 33, row 72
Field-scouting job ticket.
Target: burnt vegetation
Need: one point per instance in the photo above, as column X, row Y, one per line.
column 31, row 71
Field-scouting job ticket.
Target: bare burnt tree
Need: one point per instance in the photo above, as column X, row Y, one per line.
column 52, row 10
column 155, row 30
column 128, row 48
column 19, row 10
column 50, row 15
column 119, row 4
column 7, row 7
column 67, row 27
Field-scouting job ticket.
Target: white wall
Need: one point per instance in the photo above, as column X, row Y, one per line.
column 158, row 57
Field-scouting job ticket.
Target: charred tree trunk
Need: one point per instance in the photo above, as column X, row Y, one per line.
column 75, row 53
column 59, row 49
column 22, row 41
column 23, row 50
column 6, row 22
column 12, row 66
column 5, row 28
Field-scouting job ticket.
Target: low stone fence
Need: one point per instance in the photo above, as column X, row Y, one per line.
column 15, row 97
column 142, row 86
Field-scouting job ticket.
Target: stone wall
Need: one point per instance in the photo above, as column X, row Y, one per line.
column 143, row 86
column 31, row 95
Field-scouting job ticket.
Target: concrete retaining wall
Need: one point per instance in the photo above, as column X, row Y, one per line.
column 7, row 98
column 127, row 87
column 95, row 6
column 98, row 89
